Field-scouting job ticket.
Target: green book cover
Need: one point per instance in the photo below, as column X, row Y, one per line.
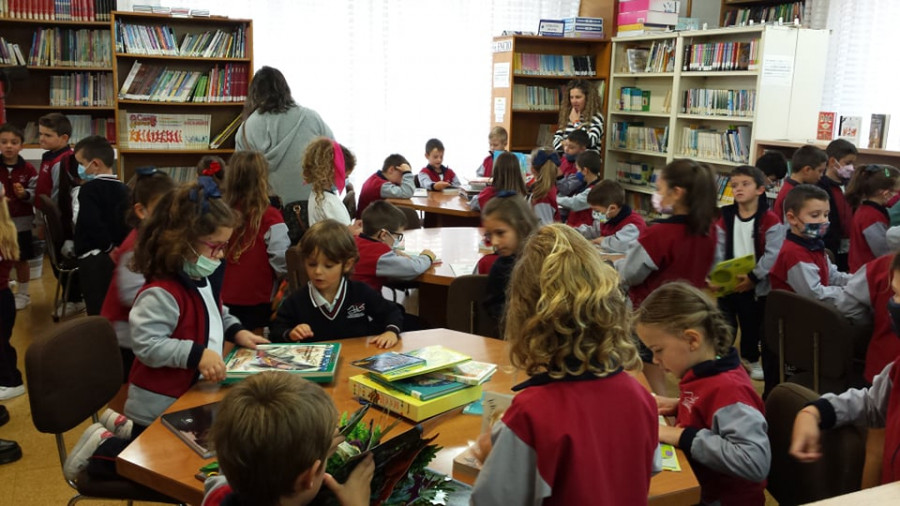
column 725, row 274
column 313, row 361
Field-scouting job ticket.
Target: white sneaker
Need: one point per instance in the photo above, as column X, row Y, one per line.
column 22, row 301
column 84, row 448
column 72, row 308
column 756, row 371
column 10, row 392
column 117, row 423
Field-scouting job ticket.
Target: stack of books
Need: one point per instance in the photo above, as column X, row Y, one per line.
column 421, row 383
column 644, row 17
column 159, row 83
column 63, row 47
column 59, row 10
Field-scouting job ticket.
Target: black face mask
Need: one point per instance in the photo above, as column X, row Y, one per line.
column 894, row 310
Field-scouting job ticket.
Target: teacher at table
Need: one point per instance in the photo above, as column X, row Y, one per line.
column 280, row 129
column 580, row 110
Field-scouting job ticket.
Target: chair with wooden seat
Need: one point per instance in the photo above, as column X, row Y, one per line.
column 413, row 220
column 296, row 274
column 838, row 472
column 73, row 372
column 65, row 267
column 465, row 306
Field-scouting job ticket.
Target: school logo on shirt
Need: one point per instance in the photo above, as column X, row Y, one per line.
column 356, row 310
column 688, row 399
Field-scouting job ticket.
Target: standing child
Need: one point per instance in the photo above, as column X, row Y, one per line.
column 542, row 190
column 214, row 167
column 508, row 221
column 616, row 226
column 326, row 165
column 774, row 165
column 395, row 180
column 841, row 155
column 589, row 166
column 570, row 182
column 497, row 140
column 10, row 377
column 100, row 226
column 507, row 178
column 149, row 187
column 807, row 166
column 19, row 180
column 332, row 306
column 567, row 327
column 747, row 227
column 682, row 246
column 255, row 252
column 720, row 422
column 868, row 191
column 435, row 176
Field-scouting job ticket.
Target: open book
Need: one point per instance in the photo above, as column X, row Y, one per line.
column 313, row 361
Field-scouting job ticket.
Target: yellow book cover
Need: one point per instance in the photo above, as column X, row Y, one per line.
column 725, row 274
column 408, row 406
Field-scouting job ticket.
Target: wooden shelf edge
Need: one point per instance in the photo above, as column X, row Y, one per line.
column 182, row 58
column 59, row 107
column 188, row 104
column 101, row 24
column 137, row 151
column 204, row 19
column 57, row 68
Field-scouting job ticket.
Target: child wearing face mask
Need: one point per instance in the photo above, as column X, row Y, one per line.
column 576, row 208
column 570, row 181
column 869, row 190
column 838, row 170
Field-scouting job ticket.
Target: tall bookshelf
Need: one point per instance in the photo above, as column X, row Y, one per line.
column 61, row 82
column 777, row 96
column 221, row 113
column 527, row 90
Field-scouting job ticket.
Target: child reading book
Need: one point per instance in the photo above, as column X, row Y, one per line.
column 507, row 178
column 567, row 327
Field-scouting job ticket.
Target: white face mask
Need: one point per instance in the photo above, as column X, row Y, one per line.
column 656, row 200
column 845, row 171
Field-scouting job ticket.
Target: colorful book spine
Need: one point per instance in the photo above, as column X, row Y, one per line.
column 406, row 406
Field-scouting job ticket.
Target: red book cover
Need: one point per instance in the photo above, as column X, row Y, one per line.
column 111, row 131
column 91, row 15
column 825, row 126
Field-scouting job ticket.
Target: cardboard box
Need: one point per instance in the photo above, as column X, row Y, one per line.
column 648, row 17
column 551, row 28
column 649, row 5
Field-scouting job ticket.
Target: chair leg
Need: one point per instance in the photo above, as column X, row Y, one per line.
column 56, row 294
column 75, row 499
column 781, row 350
column 815, row 338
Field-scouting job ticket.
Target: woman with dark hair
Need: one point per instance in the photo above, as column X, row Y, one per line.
column 580, row 110
column 280, row 129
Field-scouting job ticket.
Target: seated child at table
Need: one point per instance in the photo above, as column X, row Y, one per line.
column 569, row 182
column 542, row 187
column 720, row 422
column 577, row 210
column 331, row 306
column 436, row 176
column 560, row 442
column 273, row 435
column 507, row 177
column 379, row 261
column 497, row 140
column 616, row 226
column 395, row 180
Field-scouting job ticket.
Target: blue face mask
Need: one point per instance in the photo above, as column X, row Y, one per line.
column 579, row 176
column 815, row 230
column 571, row 158
column 83, row 175
column 202, row 267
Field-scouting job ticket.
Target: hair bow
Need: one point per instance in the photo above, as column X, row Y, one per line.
column 506, row 193
column 340, row 169
column 210, row 191
column 213, row 169
column 145, row 171
column 542, row 157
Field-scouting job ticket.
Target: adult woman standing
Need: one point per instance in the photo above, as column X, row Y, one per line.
column 580, row 110
column 279, row 128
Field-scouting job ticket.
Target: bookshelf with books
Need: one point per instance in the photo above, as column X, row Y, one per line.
column 864, row 157
column 180, row 83
column 741, row 12
column 726, row 88
column 530, row 74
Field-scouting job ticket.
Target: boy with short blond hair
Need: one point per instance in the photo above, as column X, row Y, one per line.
column 616, row 226
column 273, row 435
column 497, row 140
column 19, row 180
column 807, row 167
column 395, row 180
column 436, row 176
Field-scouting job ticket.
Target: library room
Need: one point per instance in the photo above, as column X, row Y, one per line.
column 496, row 252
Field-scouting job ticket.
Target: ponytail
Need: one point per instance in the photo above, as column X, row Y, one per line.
column 869, row 180
column 699, row 192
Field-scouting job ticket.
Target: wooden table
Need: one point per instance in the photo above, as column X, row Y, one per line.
column 453, row 246
column 442, row 210
column 158, row 459
column 884, row 494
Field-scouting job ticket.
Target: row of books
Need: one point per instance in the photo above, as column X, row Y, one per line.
column 637, row 172
column 642, row 204
column 161, row 40
column 711, row 102
column 70, row 48
column 10, row 54
column 632, row 98
column 163, row 131
column 636, row 136
column 724, row 193
column 786, row 12
column 180, row 174
column 82, row 89
column 721, row 56
column 530, row 64
column 60, row 10
column 850, row 128
column 731, row 145
column 83, row 125
column 159, row 83
column 174, row 11
column 660, row 57
column 535, row 98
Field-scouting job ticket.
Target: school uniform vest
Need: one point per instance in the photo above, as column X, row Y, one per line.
column 798, row 250
column 113, row 309
column 488, row 165
column 22, row 173
column 625, row 217
column 370, row 192
column 550, row 200
column 249, row 279
column 566, row 167
column 485, row 263
column 890, row 462
column 884, row 347
column 867, row 214
column 584, row 216
column 44, row 184
column 840, row 215
column 778, row 207
column 484, row 196
column 366, row 267
column 446, row 174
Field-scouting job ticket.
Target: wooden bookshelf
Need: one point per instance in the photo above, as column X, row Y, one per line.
column 220, row 113
column 864, row 157
column 524, row 124
column 729, row 6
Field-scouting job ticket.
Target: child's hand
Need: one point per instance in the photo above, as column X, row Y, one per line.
column 806, row 437
column 745, row 284
column 440, row 185
column 248, row 339
column 211, row 366
column 670, row 435
column 356, row 227
column 483, row 446
column 358, row 487
column 19, row 190
column 385, row 340
column 598, row 240
column 301, row 332
column 667, row 406
column 574, row 116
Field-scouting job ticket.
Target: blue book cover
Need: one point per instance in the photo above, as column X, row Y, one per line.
column 424, row 387
column 387, row 362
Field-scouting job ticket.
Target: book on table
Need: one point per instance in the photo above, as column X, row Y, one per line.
column 424, row 387
column 471, row 372
column 367, row 389
column 314, row 361
column 412, row 363
column 192, row 426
